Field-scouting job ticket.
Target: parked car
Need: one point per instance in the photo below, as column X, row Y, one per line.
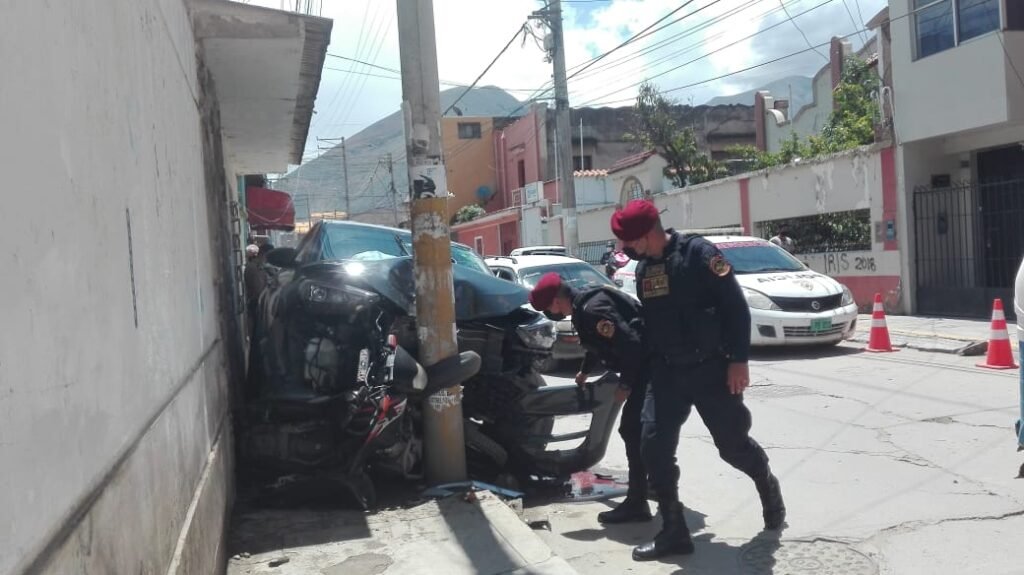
column 527, row 270
column 790, row 304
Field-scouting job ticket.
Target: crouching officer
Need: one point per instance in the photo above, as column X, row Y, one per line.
column 608, row 322
column 697, row 330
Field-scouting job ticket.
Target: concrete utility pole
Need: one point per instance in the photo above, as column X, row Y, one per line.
column 344, row 167
column 562, row 126
column 435, row 300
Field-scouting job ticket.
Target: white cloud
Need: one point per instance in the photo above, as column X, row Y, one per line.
column 470, row 33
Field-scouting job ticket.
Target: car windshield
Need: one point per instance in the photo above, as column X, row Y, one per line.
column 359, row 243
column 759, row 257
column 341, row 242
column 577, row 275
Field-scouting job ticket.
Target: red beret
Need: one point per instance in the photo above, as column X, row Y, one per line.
column 545, row 291
column 635, row 220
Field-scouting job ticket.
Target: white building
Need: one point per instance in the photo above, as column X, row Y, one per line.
column 958, row 90
column 126, row 128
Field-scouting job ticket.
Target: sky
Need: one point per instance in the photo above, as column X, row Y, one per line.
column 701, row 53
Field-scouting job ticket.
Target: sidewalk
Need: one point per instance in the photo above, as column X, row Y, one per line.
column 934, row 334
column 479, row 535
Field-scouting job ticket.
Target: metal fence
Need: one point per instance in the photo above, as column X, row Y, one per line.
column 821, row 233
column 969, row 242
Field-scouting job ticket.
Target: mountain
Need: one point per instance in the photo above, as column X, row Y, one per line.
column 802, row 87
column 317, row 185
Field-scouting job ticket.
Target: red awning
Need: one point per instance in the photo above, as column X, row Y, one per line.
column 269, row 209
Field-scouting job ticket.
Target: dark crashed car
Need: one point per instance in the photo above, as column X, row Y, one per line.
column 493, row 317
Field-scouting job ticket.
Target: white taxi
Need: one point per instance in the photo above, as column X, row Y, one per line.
column 790, row 304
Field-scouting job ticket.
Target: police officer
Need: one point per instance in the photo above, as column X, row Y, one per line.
column 608, row 323
column 697, row 330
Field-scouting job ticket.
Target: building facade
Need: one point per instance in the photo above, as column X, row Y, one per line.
column 958, row 95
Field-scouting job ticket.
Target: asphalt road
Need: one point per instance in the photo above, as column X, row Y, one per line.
column 897, row 463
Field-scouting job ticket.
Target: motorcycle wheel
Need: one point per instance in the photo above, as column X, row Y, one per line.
column 478, row 442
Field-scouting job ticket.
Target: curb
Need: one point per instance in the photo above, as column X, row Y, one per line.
column 933, row 343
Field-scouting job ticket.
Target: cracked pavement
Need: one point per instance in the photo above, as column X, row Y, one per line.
column 908, row 459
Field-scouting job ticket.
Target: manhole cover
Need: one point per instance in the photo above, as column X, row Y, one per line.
column 769, row 557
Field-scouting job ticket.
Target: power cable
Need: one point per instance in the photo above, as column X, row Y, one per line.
column 487, row 69
column 798, row 29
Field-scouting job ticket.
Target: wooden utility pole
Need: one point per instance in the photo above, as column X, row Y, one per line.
column 445, row 450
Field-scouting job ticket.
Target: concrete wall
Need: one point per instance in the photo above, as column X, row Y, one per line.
column 969, row 86
column 650, row 174
column 859, row 179
column 113, row 356
column 520, row 142
column 469, row 163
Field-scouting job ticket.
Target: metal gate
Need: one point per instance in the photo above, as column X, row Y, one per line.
column 970, row 239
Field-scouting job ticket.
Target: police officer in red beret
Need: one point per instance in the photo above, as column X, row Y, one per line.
column 609, row 325
column 697, row 333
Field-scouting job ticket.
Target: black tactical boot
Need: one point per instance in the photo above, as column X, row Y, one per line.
column 633, row 508
column 773, row 508
column 674, row 538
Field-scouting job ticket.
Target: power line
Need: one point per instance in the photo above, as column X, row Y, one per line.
column 798, row 29
column 703, row 56
column 637, row 36
column 747, row 69
column 487, row 69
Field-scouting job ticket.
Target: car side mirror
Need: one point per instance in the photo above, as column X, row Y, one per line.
column 282, row 257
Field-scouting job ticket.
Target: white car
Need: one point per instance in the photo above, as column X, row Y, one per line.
column 790, row 304
column 540, row 251
column 527, row 271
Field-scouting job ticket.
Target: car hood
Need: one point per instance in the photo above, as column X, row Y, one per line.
column 477, row 295
column 791, row 284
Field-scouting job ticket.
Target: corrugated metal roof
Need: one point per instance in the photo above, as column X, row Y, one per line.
column 630, row 161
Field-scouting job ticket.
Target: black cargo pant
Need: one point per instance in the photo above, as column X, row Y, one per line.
column 631, row 431
column 673, row 391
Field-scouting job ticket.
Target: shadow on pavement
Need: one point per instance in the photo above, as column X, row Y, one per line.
column 714, row 557
column 803, row 352
column 633, row 533
column 307, row 512
column 477, row 536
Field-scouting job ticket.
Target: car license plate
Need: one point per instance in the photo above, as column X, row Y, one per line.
column 820, row 325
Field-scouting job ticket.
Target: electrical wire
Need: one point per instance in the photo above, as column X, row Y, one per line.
column 487, row 69
column 800, row 30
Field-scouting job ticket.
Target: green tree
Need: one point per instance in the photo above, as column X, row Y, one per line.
column 655, row 128
column 851, row 123
column 469, row 213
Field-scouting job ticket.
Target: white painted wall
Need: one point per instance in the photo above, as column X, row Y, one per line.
column 99, row 116
column 966, row 87
column 807, row 121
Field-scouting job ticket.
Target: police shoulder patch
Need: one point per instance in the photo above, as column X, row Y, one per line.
column 606, row 328
column 719, row 266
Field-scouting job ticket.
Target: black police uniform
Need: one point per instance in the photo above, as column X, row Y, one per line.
column 696, row 322
column 610, row 326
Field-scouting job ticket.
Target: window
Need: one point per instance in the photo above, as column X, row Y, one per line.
column 505, row 274
column 478, row 244
column 758, row 257
column 579, row 275
column 942, row 24
column 522, row 173
column 586, row 164
column 469, row 130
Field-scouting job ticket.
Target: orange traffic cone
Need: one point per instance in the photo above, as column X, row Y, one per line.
column 1000, row 356
column 879, row 341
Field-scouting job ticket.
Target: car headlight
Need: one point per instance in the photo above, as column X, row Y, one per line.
column 318, row 293
column 847, row 296
column 540, row 333
column 757, row 300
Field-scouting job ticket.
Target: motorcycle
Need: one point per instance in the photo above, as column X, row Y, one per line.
column 334, row 387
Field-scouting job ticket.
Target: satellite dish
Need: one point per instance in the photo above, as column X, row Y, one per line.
column 484, row 193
